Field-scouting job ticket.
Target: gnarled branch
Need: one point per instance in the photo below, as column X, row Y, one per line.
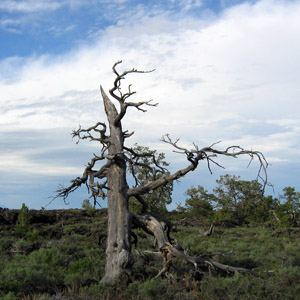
column 117, row 83
column 194, row 156
column 152, row 226
column 121, row 98
column 83, row 134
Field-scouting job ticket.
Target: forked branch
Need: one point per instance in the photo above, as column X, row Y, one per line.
column 83, row 134
column 210, row 153
column 117, row 82
column 88, row 178
column 122, row 97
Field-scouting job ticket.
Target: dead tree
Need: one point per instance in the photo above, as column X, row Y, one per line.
column 109, row 181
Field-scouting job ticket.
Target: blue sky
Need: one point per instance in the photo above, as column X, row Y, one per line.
column 225, row 70
column 54, row 27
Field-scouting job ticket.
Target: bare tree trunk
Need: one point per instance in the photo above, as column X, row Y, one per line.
column 118, row 252
column 276, row 217
column 119, row 259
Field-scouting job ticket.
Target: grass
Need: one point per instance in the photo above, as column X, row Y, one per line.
column 66, row 259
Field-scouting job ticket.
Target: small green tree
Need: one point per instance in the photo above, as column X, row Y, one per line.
column 262, row 211
column 86, row 204
column 199, row 202
column 88, row 207
column 23, row 219
column 241, row 201
column 144, row 170
column 289, row 207
column 292, row 199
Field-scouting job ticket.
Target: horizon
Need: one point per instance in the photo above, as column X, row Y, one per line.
column 226, row 70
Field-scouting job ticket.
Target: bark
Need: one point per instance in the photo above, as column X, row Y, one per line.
column 119, row 259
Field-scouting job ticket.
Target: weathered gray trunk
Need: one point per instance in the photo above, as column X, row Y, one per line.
column 119, row 259
column 118, row 252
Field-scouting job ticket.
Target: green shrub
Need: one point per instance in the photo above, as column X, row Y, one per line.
column 98, row 291
column 18, row 278
column 79, row 272
column 71, row 265
column 51, row 257
column 33, row 235
column 6, row 243
column 153, row 289
column 21, row 246
column 10, row 296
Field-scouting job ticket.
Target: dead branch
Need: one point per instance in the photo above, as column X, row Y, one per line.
column 276, row 217
column 230, row 269
column 209, row 154
column 87, row 178
column 137, row 105
column 121, row 98
column 165, row 269
column 144, row 189
column 83, row 134
column 142, row 202
column 117, row 83
column 152, row 226
column 194, row 156
column 207, row 232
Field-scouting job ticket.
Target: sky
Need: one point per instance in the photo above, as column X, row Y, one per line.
column 225, row 70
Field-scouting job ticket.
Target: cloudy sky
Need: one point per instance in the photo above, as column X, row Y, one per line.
column 226, row 70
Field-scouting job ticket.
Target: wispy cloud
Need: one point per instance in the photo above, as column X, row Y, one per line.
column 29, row 6
column 9, row 22
column 190, row 4
column 33, row 6
column 10, row 25
column 13, row 30
column 58, row 31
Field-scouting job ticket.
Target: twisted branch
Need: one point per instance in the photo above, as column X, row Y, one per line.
column 208, row 153
column 83, row 134
column 121, row 98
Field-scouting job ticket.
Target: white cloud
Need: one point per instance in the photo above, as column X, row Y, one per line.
column 58, row 31
column 13, row 30
column 227, row 79
column 9, row 25
column 37, row 6
column 29, row 6
column 8, row 22
column 26, row 166
column 190, row 4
